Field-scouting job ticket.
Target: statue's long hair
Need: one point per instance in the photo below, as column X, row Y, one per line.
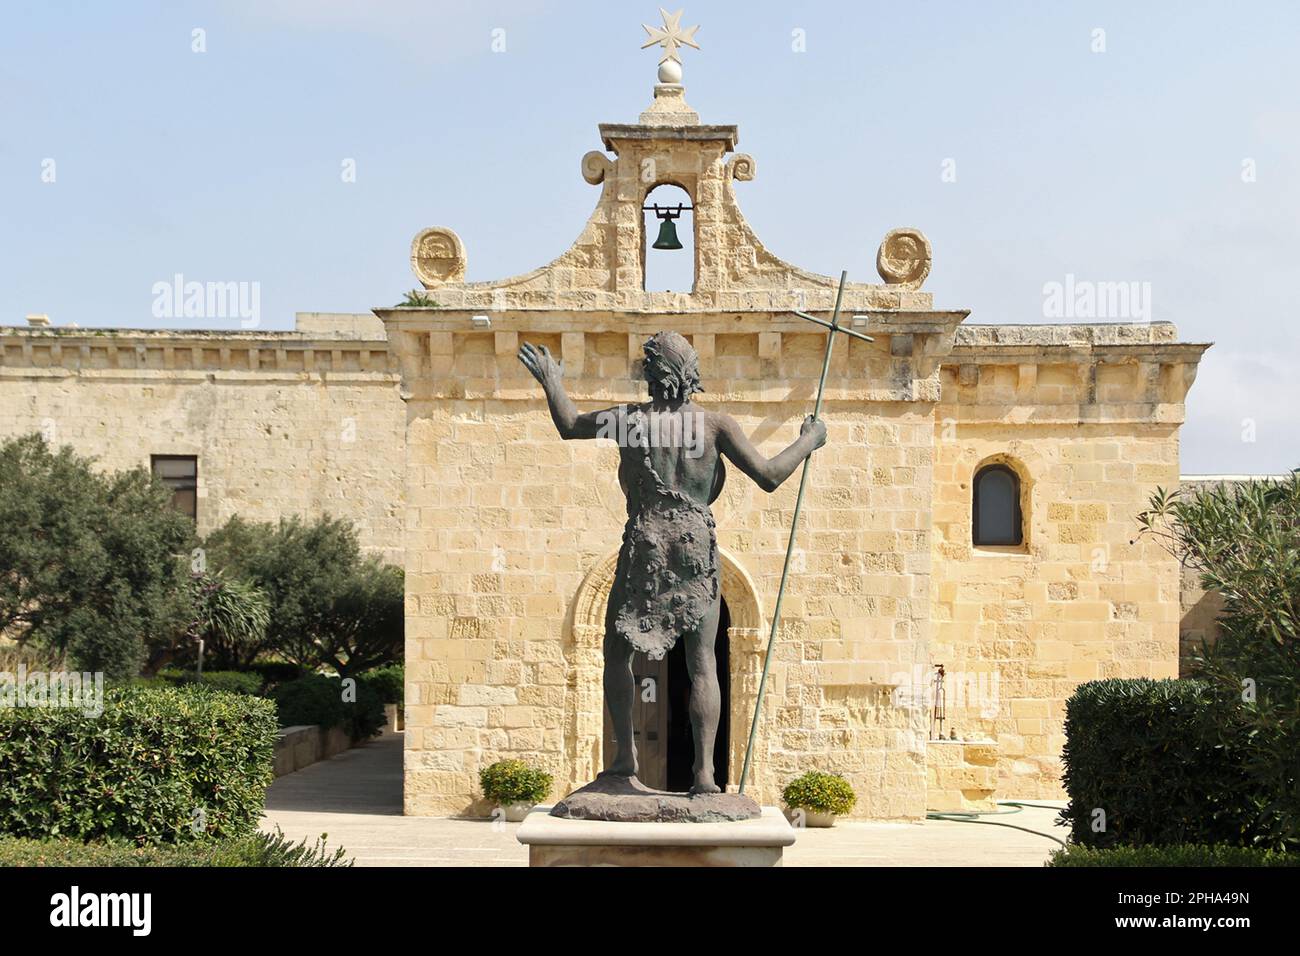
column 672, row 368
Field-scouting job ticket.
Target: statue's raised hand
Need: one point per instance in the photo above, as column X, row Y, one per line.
column 539, row 361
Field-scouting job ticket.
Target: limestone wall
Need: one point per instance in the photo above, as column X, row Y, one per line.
column 282, row 423
column 512, row 533
column 961, row 775
column 1091, row 429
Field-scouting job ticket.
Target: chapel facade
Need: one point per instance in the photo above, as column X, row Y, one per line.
column 973, row 508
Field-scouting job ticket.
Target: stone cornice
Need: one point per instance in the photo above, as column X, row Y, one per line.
column 650, row 320
column 1159, row 352
column 1067, row 333
column 269, row 355
column 611, row 134
column 561, row 289
column 243, row 337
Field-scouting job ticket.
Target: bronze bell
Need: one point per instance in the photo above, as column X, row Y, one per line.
column 667, row 236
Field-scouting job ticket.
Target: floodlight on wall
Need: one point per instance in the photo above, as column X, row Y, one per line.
column 481, row 321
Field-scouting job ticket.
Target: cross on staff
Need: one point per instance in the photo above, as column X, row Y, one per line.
column 834, row 326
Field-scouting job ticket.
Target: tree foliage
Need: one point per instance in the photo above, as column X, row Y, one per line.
column 1244, row 541
column 89, row 565
column 230, row 617
column 329, row 606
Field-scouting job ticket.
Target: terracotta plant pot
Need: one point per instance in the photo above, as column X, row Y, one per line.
column 515, row 812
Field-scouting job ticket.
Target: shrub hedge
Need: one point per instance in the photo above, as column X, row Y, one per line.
column 253, row 849
column 234, row 682
column 159, row 765
column 1177, row 854
column 320, row 700
column 1159, row 758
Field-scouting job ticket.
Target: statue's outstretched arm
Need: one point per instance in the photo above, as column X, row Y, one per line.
column 768, row 473
column 569, row 422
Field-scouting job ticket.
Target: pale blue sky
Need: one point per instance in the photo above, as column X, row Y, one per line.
column 1121, row 166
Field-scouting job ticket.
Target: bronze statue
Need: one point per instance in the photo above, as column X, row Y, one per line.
column 666, row 584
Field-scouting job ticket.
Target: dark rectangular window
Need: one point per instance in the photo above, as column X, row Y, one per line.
column 180, row 473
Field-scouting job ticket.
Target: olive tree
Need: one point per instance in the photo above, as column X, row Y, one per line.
column 93, row 565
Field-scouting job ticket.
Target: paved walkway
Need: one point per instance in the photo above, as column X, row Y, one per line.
column 356, row 798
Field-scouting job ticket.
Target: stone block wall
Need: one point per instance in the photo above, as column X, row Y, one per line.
column 282, row 423
column 1091, row 431
column 961, row 775
column 512, row 533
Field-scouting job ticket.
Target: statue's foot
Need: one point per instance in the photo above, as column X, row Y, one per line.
column 705, row 785
column 622, row 767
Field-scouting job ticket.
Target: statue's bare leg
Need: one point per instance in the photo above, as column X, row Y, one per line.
column 620, row 688
column 706, row 699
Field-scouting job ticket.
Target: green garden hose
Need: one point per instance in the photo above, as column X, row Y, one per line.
column 971, row 816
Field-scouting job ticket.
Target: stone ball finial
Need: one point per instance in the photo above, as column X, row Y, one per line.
column 904, row 258
column 670, row 71
column 437, row 257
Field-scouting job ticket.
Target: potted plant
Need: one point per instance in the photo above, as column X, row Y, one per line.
column 819, row 797
column 515, row 786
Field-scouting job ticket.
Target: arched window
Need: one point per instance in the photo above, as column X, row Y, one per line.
column 995, row 512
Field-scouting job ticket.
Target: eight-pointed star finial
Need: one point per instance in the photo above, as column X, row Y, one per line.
column 671, row 36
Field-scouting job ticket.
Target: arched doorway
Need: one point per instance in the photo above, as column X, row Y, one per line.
column 739, row 646
column 662, row 723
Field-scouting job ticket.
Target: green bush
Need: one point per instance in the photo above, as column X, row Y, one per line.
column 1156, row 756
column 388, row 682
column 320, row 700
column 1244, row 542
column 820, row 792
column 234, row 682
column 253, row 849
column 1177, row 854
column 159, row 765
column 88, row 560
column 513, row 781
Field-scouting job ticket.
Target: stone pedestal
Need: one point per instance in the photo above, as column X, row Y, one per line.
column 617, row 799
column 555, row 841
